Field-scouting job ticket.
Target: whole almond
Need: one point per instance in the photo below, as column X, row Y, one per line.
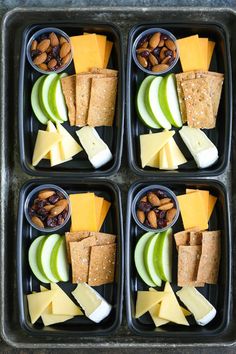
column 165, row 201
column 49, row 49
column 35, row 220
column 56, row 210
column 153, row 199
column 170, row 214
column 155, row 40
column 49, row 207
column 63, row 203
column 161, row 43
column 52, row 63
column 43, row 45
column 160, row 67
column 151, row 216
column 43, row 66
column 65, row 49
column 53, row 39
column 162, row 53
column 142, row 61
column 62, row 40
column 34, row 45
column 141, row 216
column 145, row 44
column 40, row 59
column 44, row 194
column 66, row 59
column 166, row 206
column 142, row 49
column 166, row 59
column 170, row 44
column 153, row 60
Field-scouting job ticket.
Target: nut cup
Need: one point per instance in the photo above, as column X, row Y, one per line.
column 147, row 33
column 33, row 195
column 39, row 33
column 142, row 193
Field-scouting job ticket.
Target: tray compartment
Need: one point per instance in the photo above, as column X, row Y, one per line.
column 220, row 136
column 113, row 293
column 29, row 125
column 218, row 294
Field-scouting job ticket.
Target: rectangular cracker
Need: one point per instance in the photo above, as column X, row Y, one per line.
column 107, row 72
column 103, row 238
column 210, row 258
column 182, row 238
column 68, row 89
column 195, row 238
column 102, row 264
column 73, row 237
column 102, row 101
column 199, row 107
column 188, row 261
column 180, row 78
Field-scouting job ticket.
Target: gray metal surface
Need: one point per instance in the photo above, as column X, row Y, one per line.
column 12, row 177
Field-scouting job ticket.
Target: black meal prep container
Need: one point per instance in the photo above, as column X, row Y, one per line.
column 218, row 295
column 220, row 136
column 27, row 282
column 79, row 166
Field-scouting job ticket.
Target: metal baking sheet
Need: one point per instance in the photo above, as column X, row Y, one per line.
column 12, row 177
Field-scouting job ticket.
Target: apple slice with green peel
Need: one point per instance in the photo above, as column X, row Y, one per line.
column 44, row 98
column 56, row 98
column 139, row 259
column 143, row 113
column 32, row 257
column 153, row 103
column 163, row 255
column 35, row 103
column 44, row 256
column 58, row 262
column 149, row 257
column 169, row 101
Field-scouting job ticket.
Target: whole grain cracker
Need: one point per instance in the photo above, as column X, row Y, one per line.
column 188, row 261
column 180, row 78
column 195, row 238
column 102, row 101
column 103, row 238
column 107, row 72
column 73, row 237
column 68, row 89
column 199, row 107
column 182, row 238
column 210, row 258
column 102, row 265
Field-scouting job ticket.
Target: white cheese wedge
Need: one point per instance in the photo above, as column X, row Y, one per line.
column 200, row 307
column 44, row 142
column 98, row 152
column 202, row 149
column 62, row 304
column 38, row 302
column 68, row 145
column 93, row 304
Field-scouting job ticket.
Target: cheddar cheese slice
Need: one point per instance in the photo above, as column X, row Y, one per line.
column 105, row 208
column 204, row 51
column 107, row 55
column 211, row 46
column 44, row 143
column 209, row 200
column 190, row 51
column 101, row 39
column 83, row 212
column 98, row 206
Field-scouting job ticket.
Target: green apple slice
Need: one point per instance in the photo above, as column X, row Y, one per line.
column 56, row 98
column 35, row 103
column 169, row 101
column 139, row 259
column 44, row 256
column 32, row 257
column 149, row 257
column 143, row 113
column 163, row 255
column 44, row 98
column 153, row 104
column 58, row 262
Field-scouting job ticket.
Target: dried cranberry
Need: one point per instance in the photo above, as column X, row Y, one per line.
column 164, row 37
column 60, row 195
column 49, row 57
column 55, row 51
column 162, row 214
column 60, row 219
column 142, row 41
column 53, row 199
column 35, row 52
column 161, row 223
column 51, row 222
column 31, row 212
column 144, row 206
column 64, row 213
column 160, row 194
column 145, row 54
column 168, row 53
column 42, row 212
column 156, row 52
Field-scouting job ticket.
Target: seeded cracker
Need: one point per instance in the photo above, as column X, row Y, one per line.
column 180, row 78
column 73, row 237
column 102, row 101
column 210, row 259
column 195, row 238
column 107, row 72
column 188, row 261
column 182, row 238
column 199, row 107
column 102, row 264
column 68, row 88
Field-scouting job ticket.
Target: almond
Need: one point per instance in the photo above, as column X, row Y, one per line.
column 170, row 214
column 153, row 199
column 65, row 49
column 142, row 61
column 165, row 201
column 162, row 53
column 63, row 203
column 35, row 220
column 44, row 194
column 66, row 59
column 53, row 39
column 170, row 44
column 141, row 216
column 40, row 59
column 43, row 66
column 52, row 63
column 166, row 206
column 56, row 210
column 43, row 45
column 151, row 216
column 155, row 40
column 160, row 67
column 49, row 49
column 161, row 43
column 164, row 61
column 153, row 60
column 62, row 40
column 49, row 207
column 34, row 45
